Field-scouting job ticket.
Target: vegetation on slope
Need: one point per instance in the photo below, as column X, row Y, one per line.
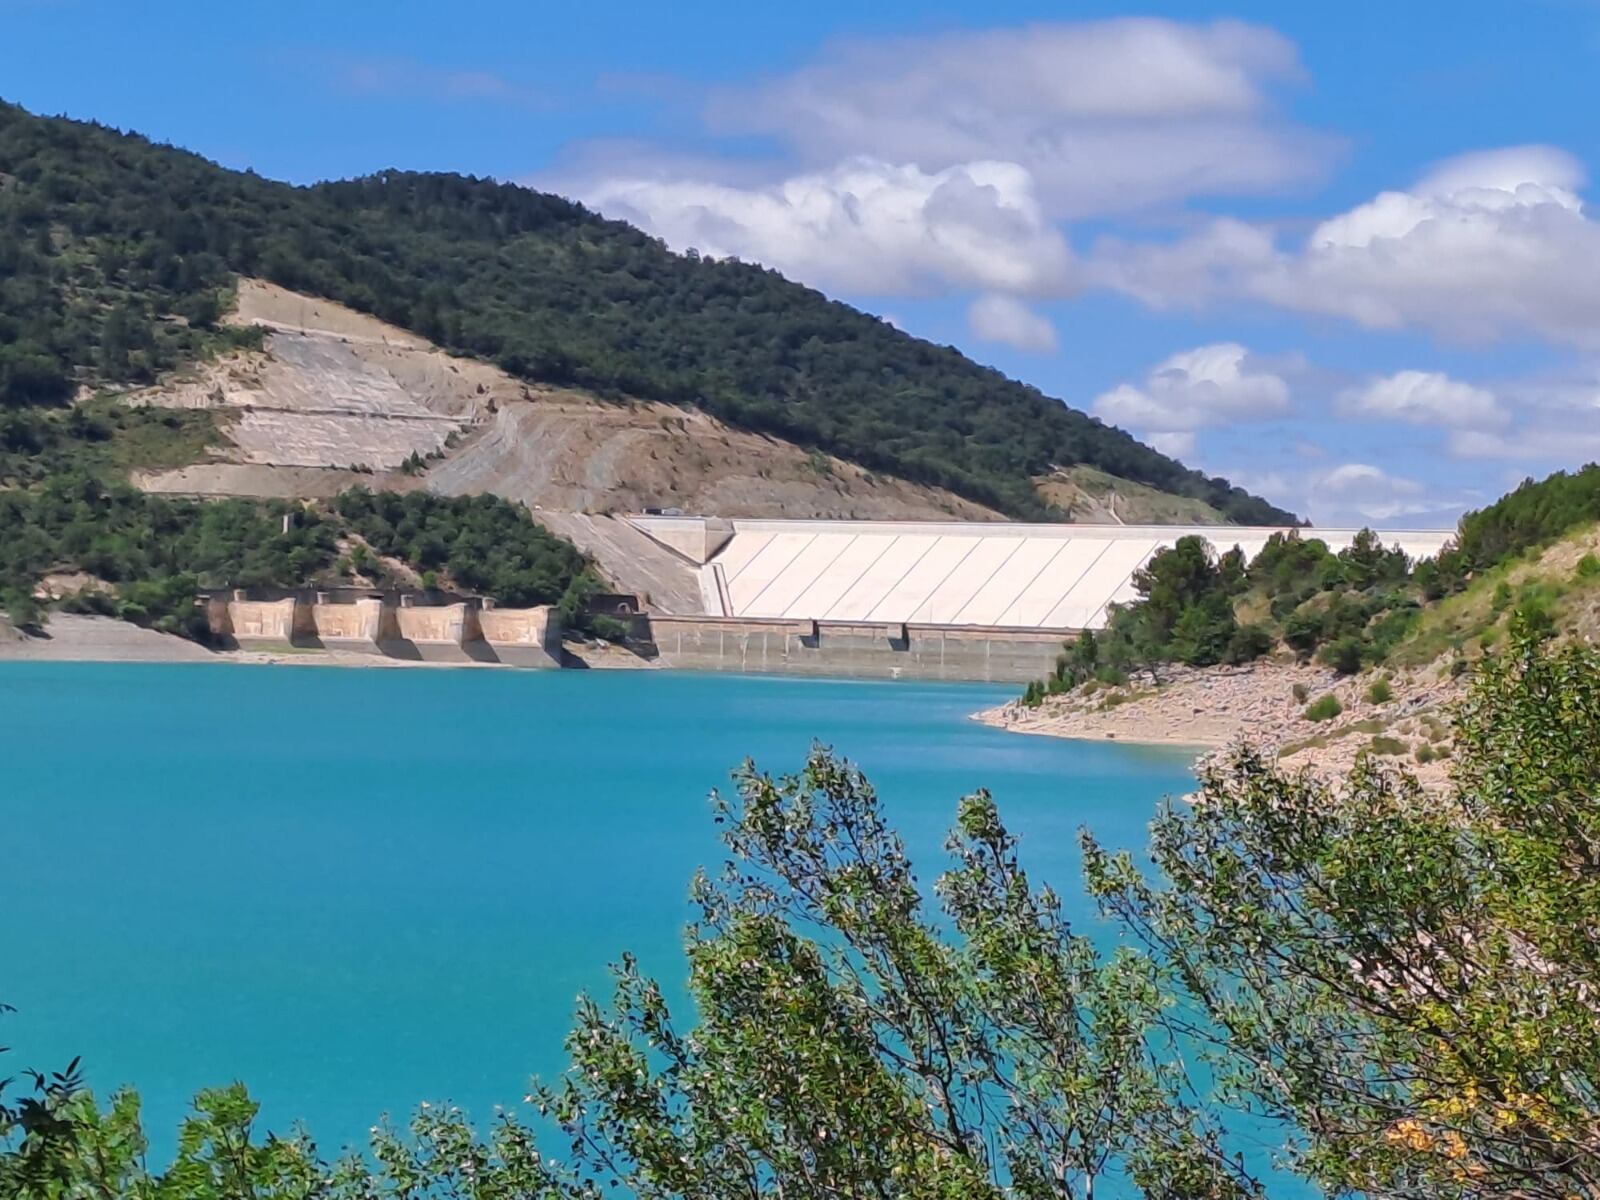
column 1089, row 494
column 116, row 256
column 100, row 436
column 154, row 553
column 480, row 543
column 1358, row 608
column 1424, row 1026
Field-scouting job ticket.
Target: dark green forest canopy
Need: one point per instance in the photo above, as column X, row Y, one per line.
column 116, row 256
column 156, row 551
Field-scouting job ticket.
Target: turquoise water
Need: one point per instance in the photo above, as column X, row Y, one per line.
column 356, row 890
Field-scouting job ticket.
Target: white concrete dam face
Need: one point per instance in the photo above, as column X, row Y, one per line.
column 1055, row 577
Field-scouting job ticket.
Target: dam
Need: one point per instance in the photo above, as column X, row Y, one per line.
column 917, row 599
column 958, row 600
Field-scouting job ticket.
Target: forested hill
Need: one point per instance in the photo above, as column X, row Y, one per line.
column 105, row 238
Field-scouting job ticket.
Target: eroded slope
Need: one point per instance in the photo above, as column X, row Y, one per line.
column 337, row 397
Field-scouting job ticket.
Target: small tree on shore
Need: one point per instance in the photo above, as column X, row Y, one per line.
column 1407, row 982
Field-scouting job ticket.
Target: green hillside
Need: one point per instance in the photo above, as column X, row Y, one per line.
column 1525, row 559
column 116, row 256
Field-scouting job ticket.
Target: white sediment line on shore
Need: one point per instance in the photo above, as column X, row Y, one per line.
column 75, row 637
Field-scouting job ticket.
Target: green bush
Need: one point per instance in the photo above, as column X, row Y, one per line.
column 1324, row 708
column 1344, row 655
column 1391, row 747
column 1380, row 692
column 609, row 629
column 1248, row 643
column 1424, row 753
column 1588, row 567
column 19, row 606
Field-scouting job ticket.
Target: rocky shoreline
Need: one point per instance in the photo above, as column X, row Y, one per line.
column 1262, row 704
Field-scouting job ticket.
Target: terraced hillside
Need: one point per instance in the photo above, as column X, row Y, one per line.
column 336, row 397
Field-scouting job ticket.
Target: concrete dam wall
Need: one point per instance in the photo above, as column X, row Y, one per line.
column 856, row 650
column 461, row 631
column 987, row 575
column 915, row 599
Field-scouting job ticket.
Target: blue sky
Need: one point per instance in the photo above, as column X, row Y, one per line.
column 1340, row 253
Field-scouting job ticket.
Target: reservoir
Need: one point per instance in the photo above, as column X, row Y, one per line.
column 356, row 890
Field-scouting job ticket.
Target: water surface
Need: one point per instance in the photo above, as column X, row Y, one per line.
column 359, row 889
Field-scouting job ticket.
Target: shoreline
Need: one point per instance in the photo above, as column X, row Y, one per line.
column 76, row 637
column 1209, row 711
column 995, row 718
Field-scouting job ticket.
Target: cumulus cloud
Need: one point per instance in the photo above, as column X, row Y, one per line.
column 1197, row 389
column 1354, row 494
column 1002, row 319
column 1425, row 398
column 1105, row 115
column 1557, row 423
column 864, row 225
column 1486, row 246
column 1370, row 492
column 1173, row 444
column 920, row 164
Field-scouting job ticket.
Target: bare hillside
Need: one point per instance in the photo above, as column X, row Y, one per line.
column 338, row 397
column 1092, row 496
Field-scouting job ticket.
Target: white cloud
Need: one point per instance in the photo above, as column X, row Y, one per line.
column 1178, row 445
column 1002, row 319
column 919, row 164
column 1354, row 494
column 1425, row 398
column 1105, row 115
column 1369, row 492
column 1486, row 246
column 1197, row 389
column 1558, row 425
column 863, row 225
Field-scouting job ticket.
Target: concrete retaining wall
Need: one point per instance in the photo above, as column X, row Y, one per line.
column 357, row 627
column 522, row 637
column 261, row 623
column 460, row 632
column 852, row 650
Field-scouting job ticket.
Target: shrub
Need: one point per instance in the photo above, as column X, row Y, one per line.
column 1424, row 753
column 24, row 611
column 1588, row 567
column 1380, row 692
column 1303, row 630
column 1533, row 614
column 1344, row 655
column 609, row 629
column 1324, row 708
column 1301, row 692
column 1248, row 643
column 1385, row 745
